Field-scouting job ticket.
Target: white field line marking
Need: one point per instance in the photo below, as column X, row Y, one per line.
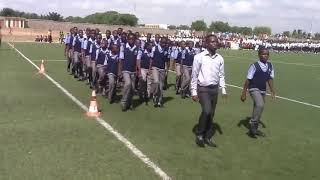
column 50, row 60
column 281, row 62
column 107, row 126
column 280, row 97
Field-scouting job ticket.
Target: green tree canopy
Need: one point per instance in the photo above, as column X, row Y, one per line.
column 259, row 30
column 183, row 27
column 219, row 26
column 199, row 25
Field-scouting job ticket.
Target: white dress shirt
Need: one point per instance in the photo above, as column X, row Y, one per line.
column 207, row 70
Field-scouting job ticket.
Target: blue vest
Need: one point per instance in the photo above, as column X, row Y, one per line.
column 188, row 61
column 160, row 58
column 77, row 46
column 260, row 78
column 112, row 66
column 130, row 59
column 102, row 56
column 145, row 61
column 93, row 51
column 87, row 51
column 181, row 56
column 70, row 41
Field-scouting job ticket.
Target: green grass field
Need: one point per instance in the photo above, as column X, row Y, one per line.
column 45, row 135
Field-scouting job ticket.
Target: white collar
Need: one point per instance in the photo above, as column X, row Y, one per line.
column 130, row 48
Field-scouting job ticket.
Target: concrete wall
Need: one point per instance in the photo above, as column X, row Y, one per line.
column 65, row 26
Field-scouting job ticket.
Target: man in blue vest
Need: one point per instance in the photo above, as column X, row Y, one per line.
column 128, row 56
column 159, row 64
column 259, row 74
column 77, row 56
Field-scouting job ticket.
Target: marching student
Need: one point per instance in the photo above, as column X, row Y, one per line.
column 174, row 54
column 144, row 62
column 87, row 55
column 259, row 74
column 77, row 55
column 159, row 64
column 128, row 56
column 206, row 79
column 187, row 69
column 101, row 56
column 93, row 49
column 113, row 68
column 68, row 48
column 181, row 56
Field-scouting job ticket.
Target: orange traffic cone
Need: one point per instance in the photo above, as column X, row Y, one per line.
column 93, row 108
column 42, row 69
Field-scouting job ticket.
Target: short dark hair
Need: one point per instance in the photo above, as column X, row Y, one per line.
column 210, row 36
column 262, row 49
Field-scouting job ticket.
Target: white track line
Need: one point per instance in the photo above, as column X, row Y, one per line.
column 280, row 62
column 120, row 137
column 284, row 98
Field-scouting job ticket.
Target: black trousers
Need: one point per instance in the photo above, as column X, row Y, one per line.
column 208, row 97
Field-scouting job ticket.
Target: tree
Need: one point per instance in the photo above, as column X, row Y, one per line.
column 172, row 27
column 219, row 26
column 246, row 31
column 128, row 19
column 235, row 29
column 112, row 18
column 183, row 27
column 54, row 16
column 294, row 33
column 317, row 36
column 260, row 30
column 8, row 12
column 199, row 25
column 286, row 33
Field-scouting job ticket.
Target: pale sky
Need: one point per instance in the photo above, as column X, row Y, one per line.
column 281, row 15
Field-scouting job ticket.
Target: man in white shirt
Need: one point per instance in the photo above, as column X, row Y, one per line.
column 207, row 77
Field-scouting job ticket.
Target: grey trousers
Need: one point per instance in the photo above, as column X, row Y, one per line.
column 128, row 88
column 186, row 79
column 158, row 76
column 112, row 86
column 258, row 105
column 208, row 97
column 102, row 75
column 145, row 83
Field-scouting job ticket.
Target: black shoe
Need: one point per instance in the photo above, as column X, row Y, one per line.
column 251, row 134
column 200, row 141
column 75, row 76
column 210, row 142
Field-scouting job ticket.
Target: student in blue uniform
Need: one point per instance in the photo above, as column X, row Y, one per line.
column 68, row 48
column 128, row 56
column 77, row 58
column 93, row 49
column 259, row 74
column 101, row 56
column 87, row 56
column 113, row 67
column 159, row 64
column 181, row 56
column 144, row 62
column 187, row 69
